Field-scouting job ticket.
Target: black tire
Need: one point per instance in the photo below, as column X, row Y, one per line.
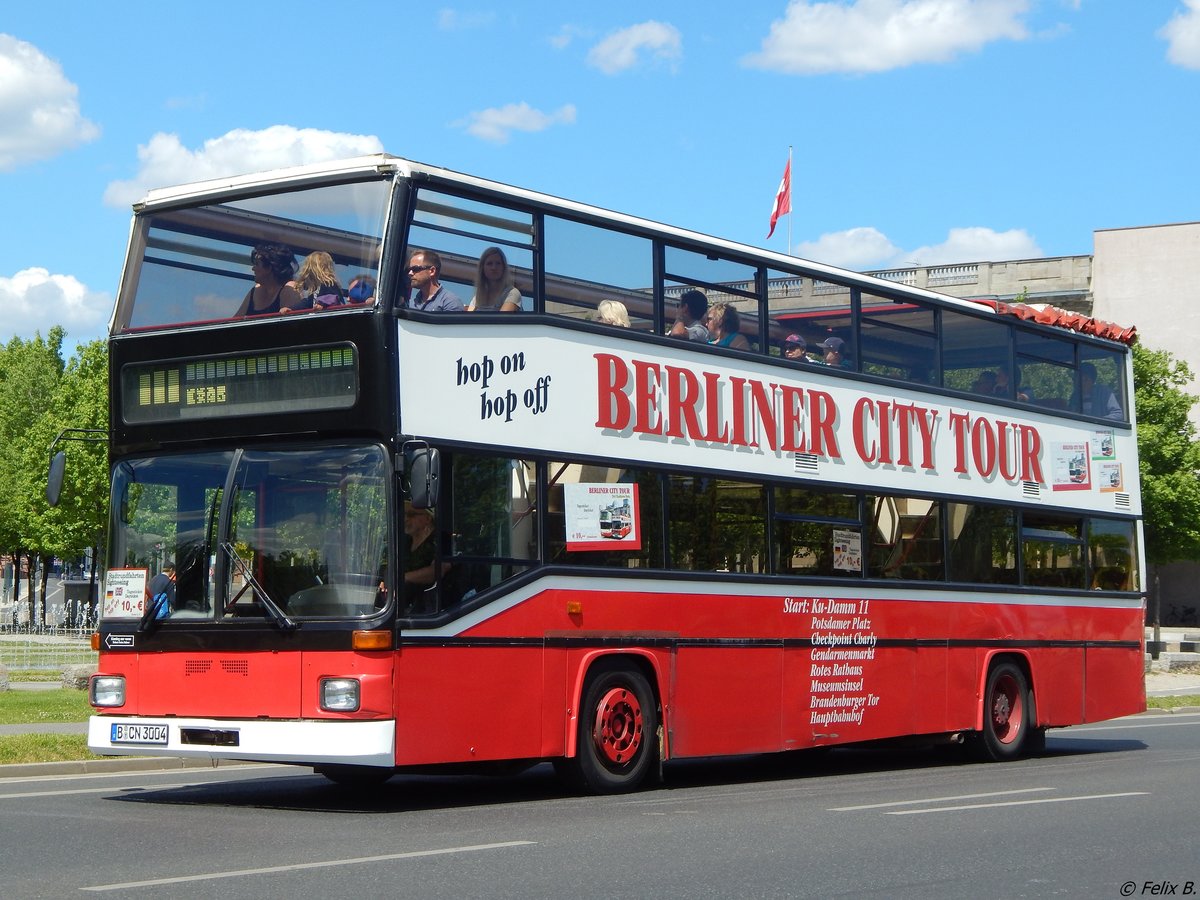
column 360, row 777
column 1008, row 729
column 618, row 732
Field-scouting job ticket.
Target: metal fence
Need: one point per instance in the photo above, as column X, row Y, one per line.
column 46, row 648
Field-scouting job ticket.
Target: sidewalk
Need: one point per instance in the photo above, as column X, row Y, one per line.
column 1172, row 684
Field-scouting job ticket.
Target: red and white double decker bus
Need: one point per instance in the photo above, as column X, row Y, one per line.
column 388, row 525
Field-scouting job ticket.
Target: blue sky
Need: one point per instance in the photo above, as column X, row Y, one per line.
column 930, row 131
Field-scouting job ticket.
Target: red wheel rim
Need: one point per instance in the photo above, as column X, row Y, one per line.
column 1006, row 709
column 618, row 731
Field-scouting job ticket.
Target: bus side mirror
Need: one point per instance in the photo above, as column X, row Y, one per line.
column 54, row 481
column 423, row 470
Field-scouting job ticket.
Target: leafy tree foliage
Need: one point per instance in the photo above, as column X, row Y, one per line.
column 1170, row 456
column 40, row 395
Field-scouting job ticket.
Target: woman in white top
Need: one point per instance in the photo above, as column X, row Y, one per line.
column 494, row 291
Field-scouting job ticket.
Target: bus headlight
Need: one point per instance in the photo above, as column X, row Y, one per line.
column 339, row 694
column 107, row 690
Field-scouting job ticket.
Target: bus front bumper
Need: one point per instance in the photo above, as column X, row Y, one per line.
column 304, row 742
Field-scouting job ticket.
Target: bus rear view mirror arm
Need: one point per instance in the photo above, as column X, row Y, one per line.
column 58, row 461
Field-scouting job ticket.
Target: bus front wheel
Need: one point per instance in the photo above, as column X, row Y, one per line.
column 1007, row 725
column 618, row 731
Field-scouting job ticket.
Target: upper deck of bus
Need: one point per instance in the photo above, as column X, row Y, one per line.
column 188, row 267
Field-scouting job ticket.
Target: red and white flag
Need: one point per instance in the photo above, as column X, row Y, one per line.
column 783, row 198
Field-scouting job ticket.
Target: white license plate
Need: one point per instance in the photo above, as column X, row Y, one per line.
column 138, row 734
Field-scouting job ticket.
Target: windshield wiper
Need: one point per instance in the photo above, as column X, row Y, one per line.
column 251, row 583
column 150, row 620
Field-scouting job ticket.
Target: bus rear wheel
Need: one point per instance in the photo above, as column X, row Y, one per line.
column 618, row 731
column 1007, row 726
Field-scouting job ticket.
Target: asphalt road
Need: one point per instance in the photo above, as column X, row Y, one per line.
column 1107, row 811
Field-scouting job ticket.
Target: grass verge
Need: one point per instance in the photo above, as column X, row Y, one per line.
column 34, row 707
column 35, row 675
column 1172, row 702
column 39, row 748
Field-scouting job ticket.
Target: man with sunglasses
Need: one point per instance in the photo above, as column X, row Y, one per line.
column 429, row 295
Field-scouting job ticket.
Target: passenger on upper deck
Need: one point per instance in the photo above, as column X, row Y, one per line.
column 612, row 312
column 273, row 266
column 985, row 383
column 724, row 325
column 832, row 348
column 424, row 268
column 795, row 347
column 1096, row 399
column 689, row 317
column 1006, row 388
column 317, row 282
column 361, row 290
column 494, row 290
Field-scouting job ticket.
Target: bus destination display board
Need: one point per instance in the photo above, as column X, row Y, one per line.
column 249, row 384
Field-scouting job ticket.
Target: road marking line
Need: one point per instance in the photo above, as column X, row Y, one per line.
column 942, row 809
column 147, row 773
column 938, row 799
column 1091, row 728
column 301, row 866
column 116, row 791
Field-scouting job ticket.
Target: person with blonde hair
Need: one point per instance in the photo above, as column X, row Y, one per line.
column 724, row 324
column 494, row 290
column 317, row 281
column 612, row 312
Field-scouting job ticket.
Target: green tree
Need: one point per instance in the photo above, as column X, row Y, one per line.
column 1170, row 456
column 29, row 374
column 80, row 401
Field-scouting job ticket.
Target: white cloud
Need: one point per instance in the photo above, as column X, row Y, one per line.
column 857, row 248
column 878, row 35
column 862, row 249
column 165, row 161
column 1182, row 34
column 33, row 300
column 566, row 35
column 497, row 124
column 453, row 20
column 624, row 49
column 38, row 106
column 976, row 245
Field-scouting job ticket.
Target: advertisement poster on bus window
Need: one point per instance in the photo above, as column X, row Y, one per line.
column 602, row 517
column 1071, row 467
column 124, row 593
column 1103, row 444
column 1109, row 475
column 847, row 550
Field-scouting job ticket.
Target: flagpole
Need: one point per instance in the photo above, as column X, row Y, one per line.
column 788, row 250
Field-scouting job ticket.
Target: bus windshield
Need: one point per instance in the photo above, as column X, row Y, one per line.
column 197, row 264
column 307, row 528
